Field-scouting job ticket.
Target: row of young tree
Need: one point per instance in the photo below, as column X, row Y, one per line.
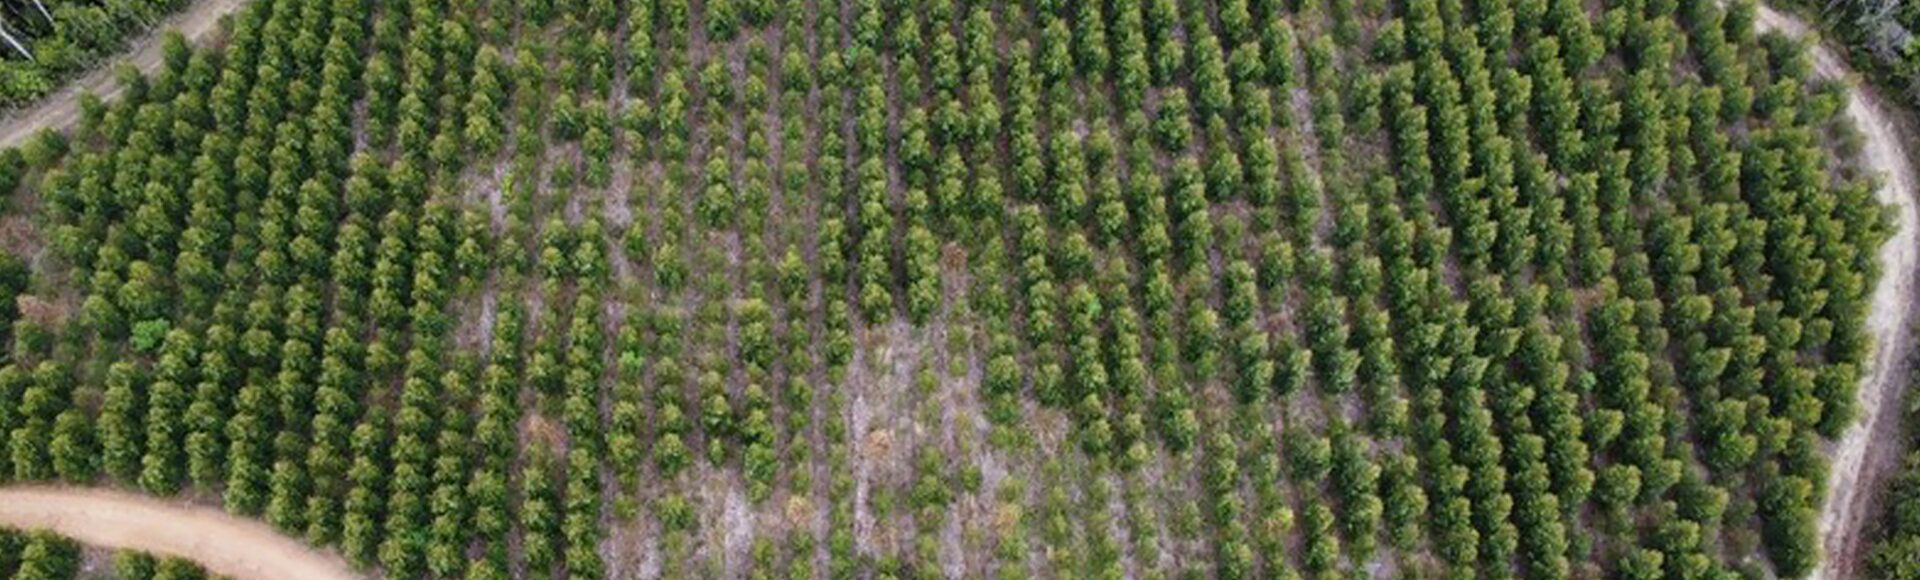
column 45, row 555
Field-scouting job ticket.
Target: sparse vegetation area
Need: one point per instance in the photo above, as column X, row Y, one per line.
column 961, row 288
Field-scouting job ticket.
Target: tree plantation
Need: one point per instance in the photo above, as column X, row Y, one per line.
column 1007, row 289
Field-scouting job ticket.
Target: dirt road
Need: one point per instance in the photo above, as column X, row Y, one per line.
column 225, row 545
column 1870, row 450
column 61, row 109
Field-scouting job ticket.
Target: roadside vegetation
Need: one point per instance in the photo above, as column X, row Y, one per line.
column 45, row 42
column 1882, row 39
column 1896, row 538
column 47, row 556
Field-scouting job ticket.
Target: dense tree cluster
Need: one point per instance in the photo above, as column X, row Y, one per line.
column 141, row 566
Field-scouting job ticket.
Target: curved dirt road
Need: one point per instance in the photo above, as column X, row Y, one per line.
column 1870, row 449
column 223, row 544
column 61, row 108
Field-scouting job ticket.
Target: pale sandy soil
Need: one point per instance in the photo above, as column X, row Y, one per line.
column 223, row 544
